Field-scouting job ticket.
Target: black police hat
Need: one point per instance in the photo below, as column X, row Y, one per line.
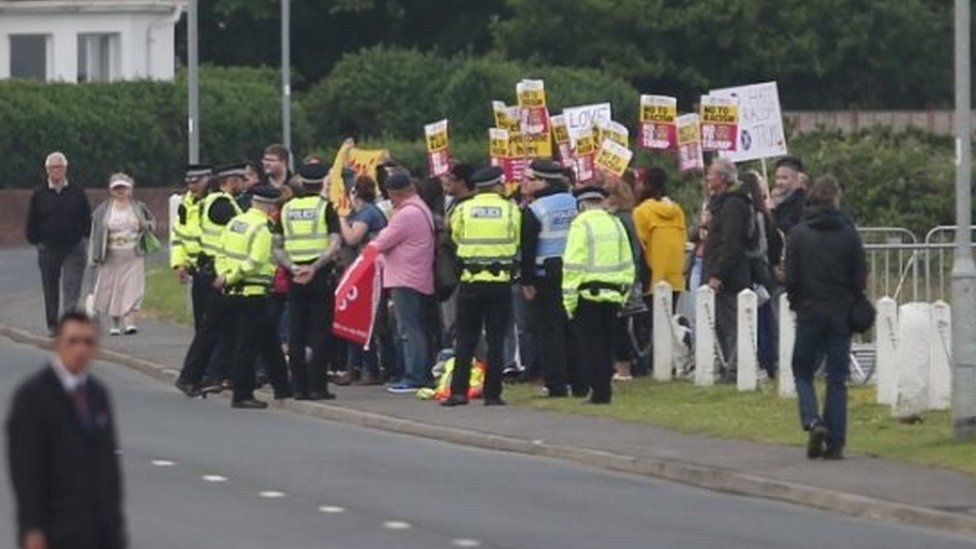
column 590, row 192
column 265, row 192
column 543, row 168
column 231, row 170
column 488, row 177
column 195, row 171
column 313, row 175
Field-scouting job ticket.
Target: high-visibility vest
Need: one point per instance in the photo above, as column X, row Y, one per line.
column 210, row 232
column 184, row 232
column 598, row 264
column 486, row 229
column 555, row 212
column 306, row 228
column 245, row 258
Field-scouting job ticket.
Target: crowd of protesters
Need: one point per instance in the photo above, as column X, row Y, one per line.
column 536, row 282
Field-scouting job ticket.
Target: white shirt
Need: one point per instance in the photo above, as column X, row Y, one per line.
column 69, row 381
column 55, row 187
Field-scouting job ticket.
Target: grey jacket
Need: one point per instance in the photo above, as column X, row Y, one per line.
column 98, row 244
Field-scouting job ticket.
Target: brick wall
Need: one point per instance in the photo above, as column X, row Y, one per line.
column 13, row 210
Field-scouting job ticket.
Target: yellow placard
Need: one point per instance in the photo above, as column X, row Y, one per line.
column 362, row 161
column 613, row 157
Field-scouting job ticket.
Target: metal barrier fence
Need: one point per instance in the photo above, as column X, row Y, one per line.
column 906, row 269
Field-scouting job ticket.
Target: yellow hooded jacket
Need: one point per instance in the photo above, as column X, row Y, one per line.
column 662, row 231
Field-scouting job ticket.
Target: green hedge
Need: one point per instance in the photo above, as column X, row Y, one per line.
column 137, row 127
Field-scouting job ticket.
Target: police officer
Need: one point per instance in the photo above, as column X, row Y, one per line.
column 486, row 230
column 217, row 209
column 245, row 270
column 598, row 272
column 306, row 242
column 184, row 238
column 545, row 225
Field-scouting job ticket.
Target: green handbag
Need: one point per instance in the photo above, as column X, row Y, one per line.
column 149, row 243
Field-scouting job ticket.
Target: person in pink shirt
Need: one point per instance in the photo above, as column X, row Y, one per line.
column 407, row 249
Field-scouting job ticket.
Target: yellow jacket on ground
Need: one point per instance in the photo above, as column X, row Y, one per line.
column 184, row 233
column 245, row 258
column 662, row 232
column 486, row 229
column 598, row 264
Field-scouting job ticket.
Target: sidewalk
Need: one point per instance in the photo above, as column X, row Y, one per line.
column 859, row 485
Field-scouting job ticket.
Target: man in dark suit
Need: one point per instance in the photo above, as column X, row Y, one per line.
column 61, row 449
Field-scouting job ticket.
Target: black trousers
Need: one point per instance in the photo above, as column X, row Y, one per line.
column 256, row 336
column 62, row 270
column 726, row 327
column 480, row 305
column 597, row 329
column 201, row 285
column 310, row 325
column 217, row 325
column 552, row 335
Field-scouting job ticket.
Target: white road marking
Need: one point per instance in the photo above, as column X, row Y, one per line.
column 272, row 494
column 214, row 478
column 396, row 525
column 163, row 463
column 331, row 509
column 465, row 542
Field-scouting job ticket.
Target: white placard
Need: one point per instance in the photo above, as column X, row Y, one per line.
column 761, row 132
column 582, row 117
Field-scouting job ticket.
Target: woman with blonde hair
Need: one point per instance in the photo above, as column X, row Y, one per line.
column 121, row 237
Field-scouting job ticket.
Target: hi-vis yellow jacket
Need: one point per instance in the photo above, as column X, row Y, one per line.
column 306, row 228
column 486, row 229
column 210, row 232
column 245, row 258
column 184, row 233
column 598, row 264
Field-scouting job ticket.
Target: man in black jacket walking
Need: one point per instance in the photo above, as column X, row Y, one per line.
column 62, row 450
column 825, row 272
column 58, row 222
column 727, row 268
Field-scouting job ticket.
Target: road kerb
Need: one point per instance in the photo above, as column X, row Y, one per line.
column 702, row 476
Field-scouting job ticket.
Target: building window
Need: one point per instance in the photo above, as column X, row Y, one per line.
column 98, row 57
column 28, row 56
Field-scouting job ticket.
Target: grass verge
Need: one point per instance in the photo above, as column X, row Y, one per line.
column 715, row 411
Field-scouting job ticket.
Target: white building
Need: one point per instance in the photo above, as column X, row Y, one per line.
column 88, row 40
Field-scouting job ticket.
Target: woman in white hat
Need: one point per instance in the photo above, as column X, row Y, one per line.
column 121, row 237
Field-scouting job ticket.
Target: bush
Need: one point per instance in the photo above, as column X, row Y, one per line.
column 138, row 127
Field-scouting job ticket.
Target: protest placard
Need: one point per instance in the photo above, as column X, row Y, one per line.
column 534, row 118
column 656, row 122
column 438, row 151
column 615, row 131
column 579, row 118
column 761, row 133
column 583, row 156
column 506, row 118
column 689, row 143
column 560, row 134
column 719, row 123
column 613, row 157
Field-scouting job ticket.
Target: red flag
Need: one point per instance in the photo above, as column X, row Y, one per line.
column 356, row 299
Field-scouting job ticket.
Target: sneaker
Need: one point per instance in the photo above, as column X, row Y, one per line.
column 402, row 388
column 623, row 377
column 131, row 330
column 115, row 332
column 815, row 445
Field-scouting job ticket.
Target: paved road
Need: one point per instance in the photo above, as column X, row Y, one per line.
column 341, row 486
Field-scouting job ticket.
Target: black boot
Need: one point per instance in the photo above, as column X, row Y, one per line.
column 249, row 404
column 455, row 400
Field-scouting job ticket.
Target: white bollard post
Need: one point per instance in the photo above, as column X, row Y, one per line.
column 747, row 341
column 705, row 336
column 914, row 322
column 940, row 357
column 663, row 342
column 886, row 351
column 787, row 338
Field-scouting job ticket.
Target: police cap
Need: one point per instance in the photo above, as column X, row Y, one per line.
column 231, row 170
column 590, row 192
column 196, row 171
column 265, row 192
column 543, row 168
column 313, row 175
column 488, row 177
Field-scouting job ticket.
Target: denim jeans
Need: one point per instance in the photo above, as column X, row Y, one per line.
column 817, row 337
column 413, row 312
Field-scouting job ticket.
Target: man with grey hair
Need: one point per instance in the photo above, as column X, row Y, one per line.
column 58, row 222
column 727, row 268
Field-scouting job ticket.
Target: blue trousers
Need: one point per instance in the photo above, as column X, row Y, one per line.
column 817, row 337
column 413, row 313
